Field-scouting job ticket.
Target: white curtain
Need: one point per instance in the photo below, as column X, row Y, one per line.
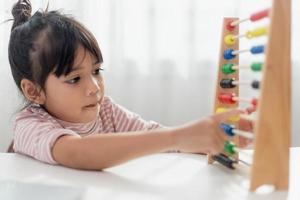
column 160, row 56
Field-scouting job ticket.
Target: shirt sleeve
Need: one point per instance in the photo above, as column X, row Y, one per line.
column 35, row 137
column 127, row 121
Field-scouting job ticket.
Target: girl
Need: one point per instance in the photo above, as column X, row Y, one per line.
column 56, row 64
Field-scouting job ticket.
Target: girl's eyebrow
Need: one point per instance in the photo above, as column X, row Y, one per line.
column 76, row 68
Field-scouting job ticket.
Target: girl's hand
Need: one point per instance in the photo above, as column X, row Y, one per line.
column 248, row 126
column 203, row 136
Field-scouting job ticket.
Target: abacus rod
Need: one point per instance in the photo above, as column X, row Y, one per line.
column 245, row 134
column 236, row 67
column 247, row 117
column 239, row 51
column 239, row 36
column 234, row 23
column 244, row 162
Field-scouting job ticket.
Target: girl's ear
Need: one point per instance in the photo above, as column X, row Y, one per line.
column 33, row 92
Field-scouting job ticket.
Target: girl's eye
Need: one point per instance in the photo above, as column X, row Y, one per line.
column 97, row 71
column 73, row 80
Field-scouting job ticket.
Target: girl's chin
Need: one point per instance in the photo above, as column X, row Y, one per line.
column 90, row 113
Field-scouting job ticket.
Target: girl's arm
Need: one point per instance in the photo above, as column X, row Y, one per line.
column 101, row 151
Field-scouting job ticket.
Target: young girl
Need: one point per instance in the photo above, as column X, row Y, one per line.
column 56, row 64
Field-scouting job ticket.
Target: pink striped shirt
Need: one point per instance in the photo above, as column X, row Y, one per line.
column 35, row 130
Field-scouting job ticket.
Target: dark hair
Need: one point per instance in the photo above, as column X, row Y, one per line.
column 45, row 43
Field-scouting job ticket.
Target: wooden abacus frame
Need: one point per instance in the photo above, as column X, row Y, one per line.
column 272, row 128
column 222, row 61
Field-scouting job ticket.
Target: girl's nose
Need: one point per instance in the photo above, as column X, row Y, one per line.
column 93, row 86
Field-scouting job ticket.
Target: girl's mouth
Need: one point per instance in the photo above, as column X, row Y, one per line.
column 91, row 106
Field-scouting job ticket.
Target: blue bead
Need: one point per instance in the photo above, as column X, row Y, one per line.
column 257, row 49
column 227, row 129
column 228, row 54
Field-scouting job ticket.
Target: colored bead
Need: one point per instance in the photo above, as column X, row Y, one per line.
column 257, row 49
column 228, row 54
column 220, row 110
column 249, row 35
column 224, row 160
column 231, row 119
column 229, row 40
column 257, row 32
column 255, row 84
column 226, row 98
column 259, row 15
column 227, row 83
column 256, row 66
column 228, row 129
column 229, row 26
column 229, row 147
column 227, row 69
column 254, row 102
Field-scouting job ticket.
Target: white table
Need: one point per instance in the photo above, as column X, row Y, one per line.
column 161, row 176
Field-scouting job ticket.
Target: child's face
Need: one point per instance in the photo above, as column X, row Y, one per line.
column 77, row 96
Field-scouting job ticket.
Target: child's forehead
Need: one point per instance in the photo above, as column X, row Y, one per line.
column 82, row 56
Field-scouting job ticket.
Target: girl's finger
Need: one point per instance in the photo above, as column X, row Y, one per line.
column 251, row 109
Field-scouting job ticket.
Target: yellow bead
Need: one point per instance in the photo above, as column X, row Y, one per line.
column 231, row 119
column 229, row 39
column 256, row 32
column 221, row 110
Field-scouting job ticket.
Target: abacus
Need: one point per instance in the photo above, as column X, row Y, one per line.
column 272, row 126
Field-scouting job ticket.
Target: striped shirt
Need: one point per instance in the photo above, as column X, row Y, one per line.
column 35, row 130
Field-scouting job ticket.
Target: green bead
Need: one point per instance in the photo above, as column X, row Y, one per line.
column 226, row 69
column 229, row 147
column 256, row 66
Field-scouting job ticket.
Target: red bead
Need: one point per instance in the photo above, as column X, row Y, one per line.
column 226, row 98
column 259, row 15
column 229, row 26
column 254, row 102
